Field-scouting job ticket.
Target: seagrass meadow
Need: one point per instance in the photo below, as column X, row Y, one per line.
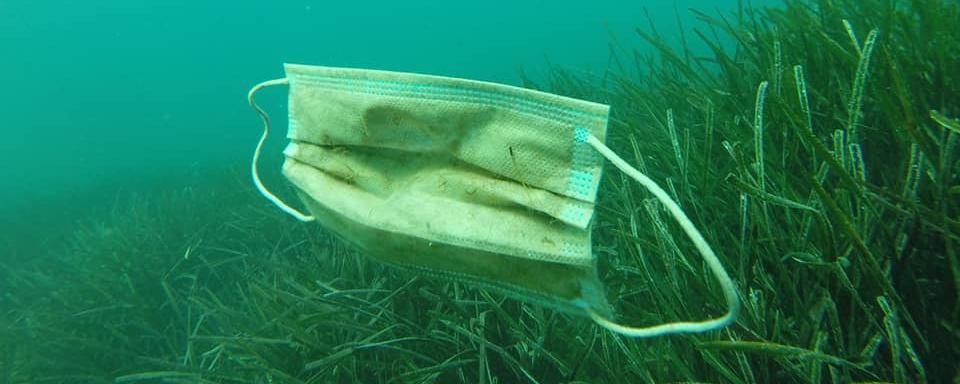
column 813, row 143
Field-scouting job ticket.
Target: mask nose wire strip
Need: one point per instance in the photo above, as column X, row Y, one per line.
column 256, row 154
column 726, row 285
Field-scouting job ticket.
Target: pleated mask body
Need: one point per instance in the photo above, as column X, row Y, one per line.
column 469, row 180
column 478, row 182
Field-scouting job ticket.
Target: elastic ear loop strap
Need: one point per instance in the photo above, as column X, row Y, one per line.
column 256, row 154
column 726, row 285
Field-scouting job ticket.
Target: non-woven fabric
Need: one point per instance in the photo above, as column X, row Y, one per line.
column 467, row 179
column 473, row 181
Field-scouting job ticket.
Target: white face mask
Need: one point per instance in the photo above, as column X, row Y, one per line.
column 474, row 181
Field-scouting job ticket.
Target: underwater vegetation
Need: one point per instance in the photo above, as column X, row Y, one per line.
column 815, row 146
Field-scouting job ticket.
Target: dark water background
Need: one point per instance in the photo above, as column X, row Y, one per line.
column 100, row 97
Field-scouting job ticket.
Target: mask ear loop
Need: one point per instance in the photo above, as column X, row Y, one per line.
column 256, row 154
column 726, row 285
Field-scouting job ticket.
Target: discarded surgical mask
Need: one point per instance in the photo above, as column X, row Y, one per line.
column 473, row 181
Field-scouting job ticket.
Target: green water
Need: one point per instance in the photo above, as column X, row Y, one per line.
column 813, row 143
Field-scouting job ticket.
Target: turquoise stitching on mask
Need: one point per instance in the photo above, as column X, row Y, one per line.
column 575, row 215
column 583, row 165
